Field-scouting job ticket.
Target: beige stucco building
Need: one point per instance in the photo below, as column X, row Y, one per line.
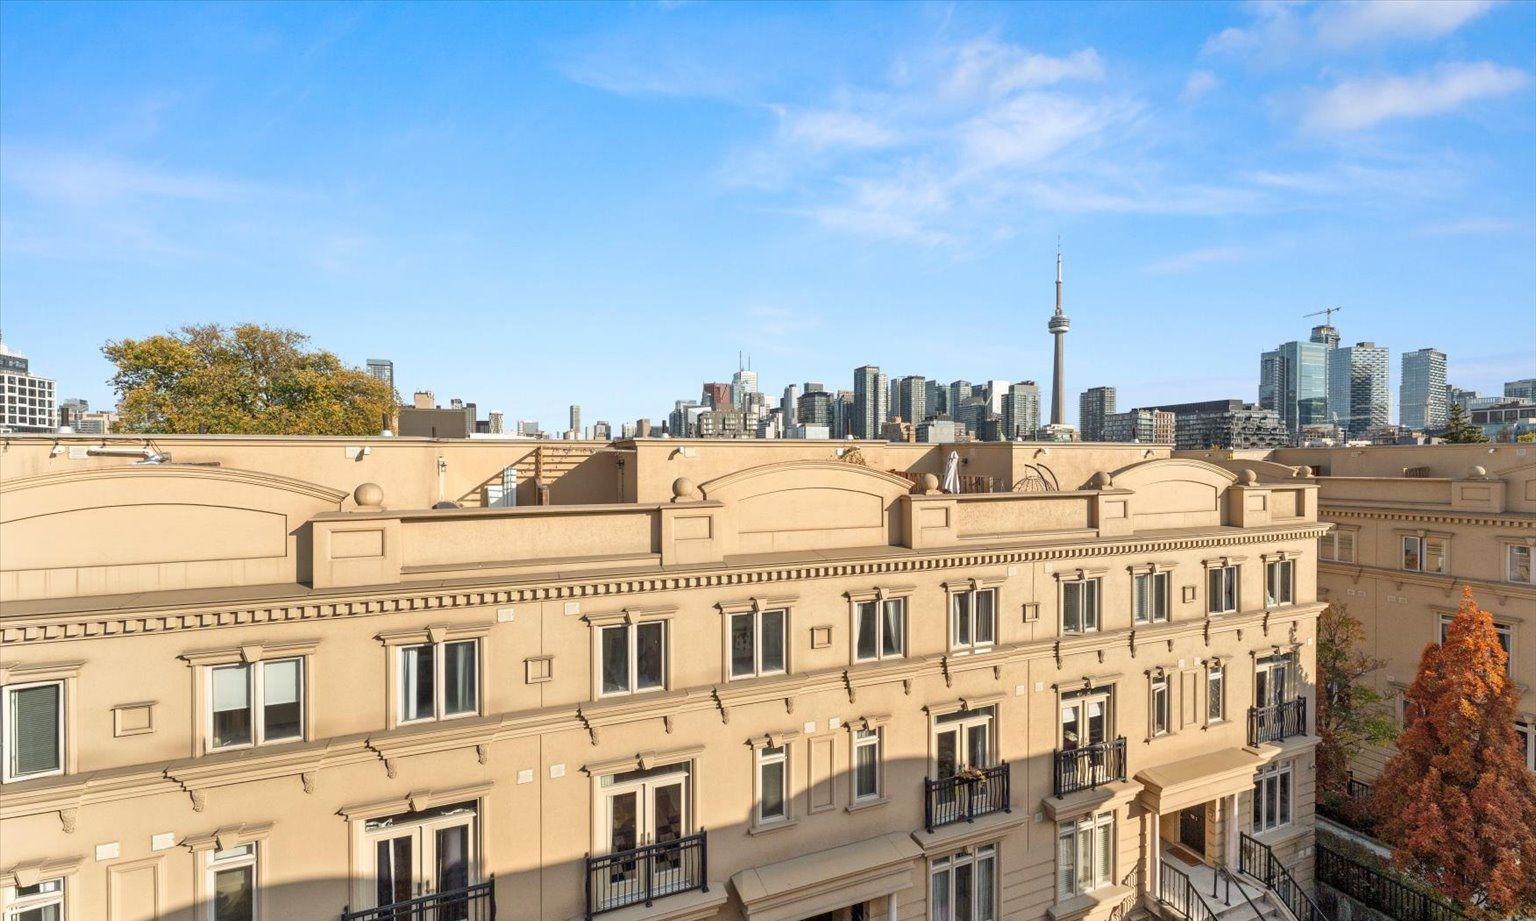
column 251, row 678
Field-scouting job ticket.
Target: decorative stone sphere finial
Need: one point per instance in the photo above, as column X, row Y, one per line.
column 1101, row 480
column 683, row 490
column 1247, row 477
column 1304, row 472
column 369, row 495
column 929, row 485
column 1476, row 472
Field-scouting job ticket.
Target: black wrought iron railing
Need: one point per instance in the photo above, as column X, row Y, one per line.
column 966, row 795
column 1176, row 891
column 472, row 903
column 1281, row 721
column 643, row 874
column 1256, row 859
column 1377, row 890
column 1089, row 766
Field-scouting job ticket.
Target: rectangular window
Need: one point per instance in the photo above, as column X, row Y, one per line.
column 963, row 886
column 880, row 629
column 757, row 643
column 231, row 884
column 1527, row 736
column 866, row 764
column 1338, row 546
column 255, row 703
column 1084, row 855
column 1215, row 694
column 1519, row 566
column 439, row 680
column 1150, row 598
column 633, row 657
column 1160, row 711
column 1080, row 606
column 772, row 784
column 973, row 619
column 1424, row 554
column 41, row 901
column 1279, row 582
column 33, row 739
column 1221, row 590
column 1272, row 797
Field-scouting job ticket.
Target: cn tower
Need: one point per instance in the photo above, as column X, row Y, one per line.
column 1058, row 326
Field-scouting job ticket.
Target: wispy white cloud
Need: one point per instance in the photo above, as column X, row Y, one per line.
column 1198, row 84
column 1468, row 227
column 71, row 178
column 819, row 130
column 1183, row 263
column 1283, row 31
column 1359, row 103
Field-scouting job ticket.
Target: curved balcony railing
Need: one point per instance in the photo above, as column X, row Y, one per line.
column 972, row 792
column 643, row 874
column 1279, row 722
column 1089, row 766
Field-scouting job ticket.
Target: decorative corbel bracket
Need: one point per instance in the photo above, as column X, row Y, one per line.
column 949, row 679
column 1056, row 651
column 725, row 713
column 666, row 722
column 69, row 818
column 848, row 686
column 307, row 780
column 200, row 799
column 789, row 704
column 482, row 753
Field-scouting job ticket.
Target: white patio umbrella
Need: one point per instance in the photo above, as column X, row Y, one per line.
column 952, row 473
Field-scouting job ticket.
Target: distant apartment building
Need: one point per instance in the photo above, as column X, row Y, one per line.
column 743, row 383
column 1521, row 389
column 1506, row 420
column 1226, row 424
column 382, row 370
column 575, row 420
column 1358, row 396
column 935, row 398
column 913, row 390
column 602, row 431
column 1142, row 426
column 959, row 395
column 1021, row 411
column 1293, row 381
column 870, row 392
column 1093, row 406
column 425, row 419
column 724, row 423
column 939, row 431
column 717, row 395
column 1422, row 399
column 814, row 408
column 27, row 401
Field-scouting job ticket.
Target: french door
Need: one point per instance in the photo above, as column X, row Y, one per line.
column 1272, row 681
column 646, row 808
column 963, row 740
column 1084, row 720
column 421, row 854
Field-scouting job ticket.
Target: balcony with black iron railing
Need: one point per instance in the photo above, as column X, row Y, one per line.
column 1088, row 766
column 1277, row 723
column 966, row 795
column 470, row 903
column 643, row 874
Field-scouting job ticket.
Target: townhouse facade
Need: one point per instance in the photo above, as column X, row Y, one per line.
column 325, row 678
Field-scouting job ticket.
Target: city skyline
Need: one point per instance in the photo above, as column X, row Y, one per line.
column 756, row 199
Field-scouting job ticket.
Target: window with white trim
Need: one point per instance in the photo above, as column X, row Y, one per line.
column 1337, row 545
column 633, row 657
column 255, row 703
column 1279, row 582
column 880, row 629
column 1085, row 851
column 1527, row 735
column 772, row 784
column 757, row 643
column 32, row 741
column 1080, row 606
column 41, row 901
column 1272, row 797
column 1423, row 554
column 1215, row 693
column 963, row 885
column 1160, row 705
column 439, row 680
column 973, row 619
column 1504, row 632
column 1149, row 598
column 231, row 883
column 1518, row 566
column 866, row 764
column 1221, row 584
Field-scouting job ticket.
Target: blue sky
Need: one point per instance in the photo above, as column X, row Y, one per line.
column 530, row 205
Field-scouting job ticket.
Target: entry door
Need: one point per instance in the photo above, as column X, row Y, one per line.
column 653, row 810
column 422, row 854
column 1192, row 829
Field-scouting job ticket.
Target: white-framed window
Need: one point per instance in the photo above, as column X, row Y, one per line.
column 880, row 629
column 41, row 901
column 33, row 735
column 1160, row 705
column 1215, row 693
column 439, row 680
column 1337, row 545
column 1221, row 589
column 867, row 779
column 1080, row 606
column 1272, row 797
column 772, row 784
column 1149, row 598
column 1279, row 582
column 1423, row 554
column 633, row 657
column 1504, row 632
column 1085, row 850
column 255, row 703
column 1518, row 566
column 973, row 619
column 757, row 642
column 231, row 884
column 1527, row 735
column 963, row 885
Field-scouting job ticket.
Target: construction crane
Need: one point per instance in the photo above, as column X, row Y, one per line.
column 1327, row 312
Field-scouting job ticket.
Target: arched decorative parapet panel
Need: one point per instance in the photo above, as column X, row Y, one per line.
column 806, row 504
column 1174, row 492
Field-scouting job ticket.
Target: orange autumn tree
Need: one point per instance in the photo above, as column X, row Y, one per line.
column 1456, row 801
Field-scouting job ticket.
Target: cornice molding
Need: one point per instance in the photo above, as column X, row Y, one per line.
column 406, row 598
column 1437, row 516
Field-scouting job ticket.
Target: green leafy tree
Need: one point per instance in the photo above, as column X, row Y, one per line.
column 1456, row 801
column 246, row 379
column 1459, row 430
column 1350, row 713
